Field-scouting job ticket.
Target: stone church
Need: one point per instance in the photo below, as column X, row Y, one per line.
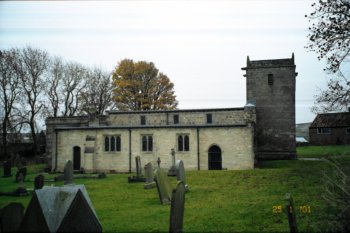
column 205, row 139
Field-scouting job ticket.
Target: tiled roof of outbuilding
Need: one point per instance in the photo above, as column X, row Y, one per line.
column 331, row 120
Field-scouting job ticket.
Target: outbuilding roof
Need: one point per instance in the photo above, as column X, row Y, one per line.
column 331, row 120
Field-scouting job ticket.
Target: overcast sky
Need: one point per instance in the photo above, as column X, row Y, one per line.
column 200, row 45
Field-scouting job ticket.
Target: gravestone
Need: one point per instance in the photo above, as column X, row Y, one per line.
column 59, row 178
column 39, row 182
column 7, row 169
column 138, row 177
column 180, row 173
column 68, row 172
column 149, row 176
column 21, row 190
column 21, row 174
column 138, row 166
column 60, row 209
column 177, row 208
column 164, row 187
column 11, row 217
column 101, row 175
column 172, row 169
column 293, row 227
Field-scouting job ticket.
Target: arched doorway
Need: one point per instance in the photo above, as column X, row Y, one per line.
column 214, row 158
column 76, row 158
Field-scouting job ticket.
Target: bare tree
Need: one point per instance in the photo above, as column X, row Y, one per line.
column 34, row 65
column 72, row 85
column 335, row 98
column 98, row 93
column 9, row 85
column 53, row 87
column 330, row 38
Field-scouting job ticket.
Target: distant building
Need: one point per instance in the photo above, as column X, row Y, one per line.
column 205, row 139
column 302, row 131
column 330, row 129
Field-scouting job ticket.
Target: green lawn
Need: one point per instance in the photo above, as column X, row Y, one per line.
column 218, row 201
column 322, row 151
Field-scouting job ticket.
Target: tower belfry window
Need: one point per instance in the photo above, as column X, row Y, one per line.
column 270, row 79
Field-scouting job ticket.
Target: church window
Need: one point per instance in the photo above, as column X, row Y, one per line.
column 209, row 118
column 183, row 143
column 323, row 130
column 176, row 119
column 270, row 79
column 106, row 143
column 147, row 143
column 112, row 143
column 143, row 120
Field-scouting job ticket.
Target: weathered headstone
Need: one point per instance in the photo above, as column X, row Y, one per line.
column 21, row 174
column 138, row 177
column 11, row 217
column 138, row 166
column 21, row 190
column 59, row 178
column 293, row 227
column 60, row 209
column 180, row 173
column 172, row 169
column 39, row 182
column 150, row 183
column 177, row 208
column 164, row 187
column 7, row 169
column 68, row 172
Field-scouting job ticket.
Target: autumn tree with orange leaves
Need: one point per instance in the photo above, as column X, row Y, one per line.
column 140, row 86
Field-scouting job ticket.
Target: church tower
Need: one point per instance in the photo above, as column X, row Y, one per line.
column 271, row 86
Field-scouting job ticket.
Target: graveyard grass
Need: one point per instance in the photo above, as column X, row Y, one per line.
column 218, row 201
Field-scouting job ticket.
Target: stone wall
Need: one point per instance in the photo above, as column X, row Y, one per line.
column 236, row 144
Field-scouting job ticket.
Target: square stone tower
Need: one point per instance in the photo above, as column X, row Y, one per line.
column 271, row 86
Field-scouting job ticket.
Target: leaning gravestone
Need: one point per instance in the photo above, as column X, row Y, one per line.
column 68, row 172
column 138, row 177
column 11, row 217
column 180, row 173
column 60, row 209
column 7, row 169
column 39, row 182
column 149, row 176
column 177, row 208
column 164, row 187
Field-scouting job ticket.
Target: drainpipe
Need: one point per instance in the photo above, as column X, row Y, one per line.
column 129, row 150
column 198, row 154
